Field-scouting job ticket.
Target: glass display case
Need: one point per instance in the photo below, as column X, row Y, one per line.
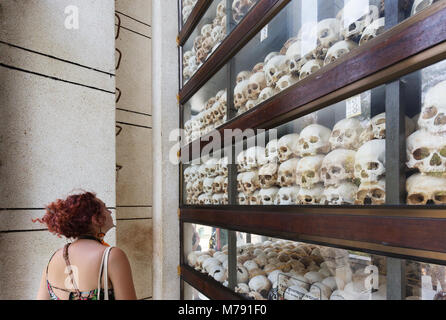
column 334, row 176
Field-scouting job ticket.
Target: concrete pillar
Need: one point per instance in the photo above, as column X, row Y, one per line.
column 57, row 124
column 166, row 283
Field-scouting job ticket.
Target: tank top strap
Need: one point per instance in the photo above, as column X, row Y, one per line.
column 70, row 270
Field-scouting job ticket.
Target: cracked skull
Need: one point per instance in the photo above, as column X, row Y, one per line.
column 268, row 174
column 251, row 182
column 288, row 147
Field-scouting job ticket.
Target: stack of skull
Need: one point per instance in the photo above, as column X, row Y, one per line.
column 345, row 165
column 207, row 184
column 292, row 271
column 212, row 115
column 317, row 44
column 426, row 151
column 188, row 6
column 210, row 37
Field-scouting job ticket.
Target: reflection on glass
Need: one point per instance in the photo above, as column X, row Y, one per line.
column 304, row 37
column 190, row 293
column 206, row 250
column 420, row 5
column 276, row 269
column 240, row 8
column 426, row 147
column 425, row 281
column 335, row 156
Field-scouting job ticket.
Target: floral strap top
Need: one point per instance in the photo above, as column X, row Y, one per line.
column 76, row 294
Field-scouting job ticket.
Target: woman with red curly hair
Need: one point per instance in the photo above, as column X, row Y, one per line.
column 95, row 270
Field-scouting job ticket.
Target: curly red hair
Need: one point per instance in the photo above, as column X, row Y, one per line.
column 73, row 216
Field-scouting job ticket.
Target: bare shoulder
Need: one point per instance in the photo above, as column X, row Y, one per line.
column 117, row 255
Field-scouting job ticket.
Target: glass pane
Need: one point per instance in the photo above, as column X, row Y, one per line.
column 299, row 41
column 425, row 281
column 275, row 269
column 206, row 181
column 205, row 39
column 239, row 9
column 187, row 7
column 207, row 108
column 206, row 250
column 426, row 147
column 412, row 7
column 190, row 293
column 335, row 156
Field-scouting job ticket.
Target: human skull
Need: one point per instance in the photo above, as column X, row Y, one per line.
column 269, row 195
column 286, row 81
column 288, row 147
column 423, row 188
column 373, row 30
column 288, row 195
column 266, row 93
column 338, row 50
column 210, row 167
column 221, row 9
column 307, row 171
column 318, row 291
column 314, row 195
column 206, row 30
column 433, row 115
column 271, row 152
column 355, row 17
column 255, row 198
column 257, row 82
column 310, row 67
column 222, row 166
column 343, row 194
column 345, row 134
column 251, row 104
column 287, row 173
column 207, row 185
column 242, row 274
column 254, row 157
column 218, row 34
column 268, row 174
column 241, row 94
column 371, row 193
column 197, row 187
column 187, row 10
column 240, row 8
column 242, row 199
column 337, row 166
column 243, row 75
column 260, row 284
column 269, row 56
column 370, row 161
column 241, row 161
column 250, row 182
column 420, row 5
column 275, row 69
column 328, row 33
column 217, row 185
column 258, row 67
column 295, row 58
column 426, row 152
column 314, row 139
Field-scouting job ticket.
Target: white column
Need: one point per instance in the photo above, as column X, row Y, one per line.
column 166, row 284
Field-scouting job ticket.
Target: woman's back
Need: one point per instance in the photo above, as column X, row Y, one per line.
column 85, row 257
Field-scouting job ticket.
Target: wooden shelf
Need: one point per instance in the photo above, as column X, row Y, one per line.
column 200, row 8
column 401, row 50
column 207, row 285
column 250, row 25
column 388, row 227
